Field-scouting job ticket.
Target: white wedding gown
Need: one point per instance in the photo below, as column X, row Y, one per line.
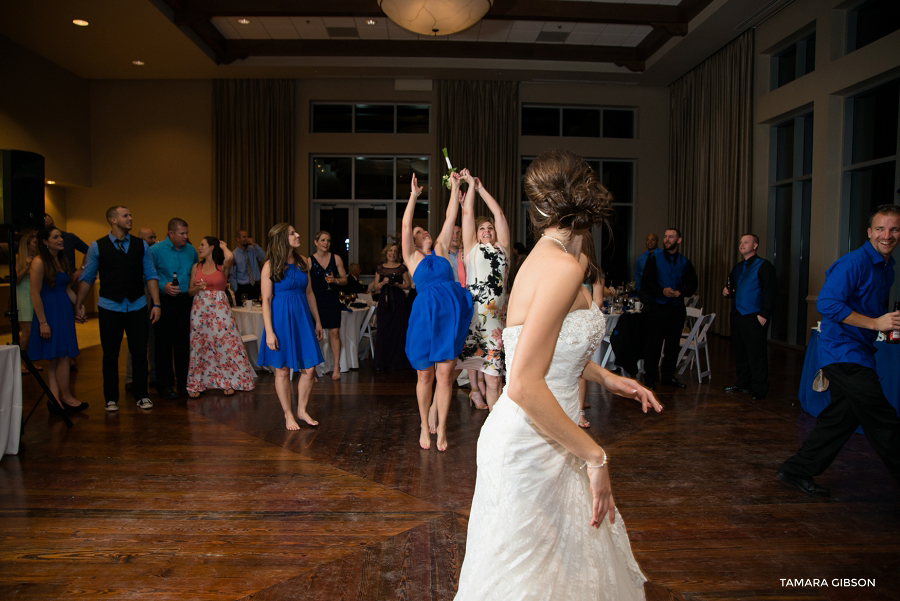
column 529, row 531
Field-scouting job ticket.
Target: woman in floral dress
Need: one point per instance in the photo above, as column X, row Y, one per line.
column 218, row 358
column 487, row 243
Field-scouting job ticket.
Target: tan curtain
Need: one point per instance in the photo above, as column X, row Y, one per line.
column 478, row 123
column 710, row 170
column 253, row 187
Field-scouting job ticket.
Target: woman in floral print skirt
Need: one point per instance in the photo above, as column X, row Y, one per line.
column 218, row 358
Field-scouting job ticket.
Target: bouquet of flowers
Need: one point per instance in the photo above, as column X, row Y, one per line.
column 450, row 169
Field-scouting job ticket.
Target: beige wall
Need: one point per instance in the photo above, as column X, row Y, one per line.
column 151, row 146
column 836, row 77
column 45, row 109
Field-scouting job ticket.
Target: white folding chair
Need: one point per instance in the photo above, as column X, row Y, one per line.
column 692, row 301
column 365, row 330
column 696, row 342
column 693, row 314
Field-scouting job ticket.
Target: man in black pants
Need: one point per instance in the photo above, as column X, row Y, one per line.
column 124, row 265
column 173, row 257
column 856, row 290
column 668, row 279
column 753, row 291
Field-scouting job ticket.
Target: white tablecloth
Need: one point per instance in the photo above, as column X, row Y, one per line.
column 250, row 321
column 351, row 323
column 10, row 398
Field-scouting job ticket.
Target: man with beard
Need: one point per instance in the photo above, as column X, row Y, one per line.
column 853, row 302
column 668, row 279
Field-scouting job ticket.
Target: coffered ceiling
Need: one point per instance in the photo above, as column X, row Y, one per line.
column 644, row 42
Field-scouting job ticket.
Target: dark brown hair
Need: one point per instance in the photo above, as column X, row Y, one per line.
column 592, row 273
column 279, row 249
column 47, row 257
column 565, row 192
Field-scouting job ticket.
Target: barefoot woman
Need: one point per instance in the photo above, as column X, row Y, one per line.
column 290, row 339
column 440, row 316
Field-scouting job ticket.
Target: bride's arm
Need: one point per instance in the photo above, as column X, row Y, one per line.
column 529, row 390
column 618, row 385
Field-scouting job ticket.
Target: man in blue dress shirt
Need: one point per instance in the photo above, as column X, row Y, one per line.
column 124, row 265
column 754, row 286
column 244, row 276
column 652, row 244
column 173, row 256
column 853, row 302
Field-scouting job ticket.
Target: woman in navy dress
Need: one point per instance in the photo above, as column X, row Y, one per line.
column 327, row 273
column 53, row 324
column 392, row 314
column 439, row 320
column 290, row 339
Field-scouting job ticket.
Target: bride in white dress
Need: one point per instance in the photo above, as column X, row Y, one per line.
column 543, row 523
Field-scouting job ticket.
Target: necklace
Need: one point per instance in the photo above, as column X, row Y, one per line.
column 555, row 240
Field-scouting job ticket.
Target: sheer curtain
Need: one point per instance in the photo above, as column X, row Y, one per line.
column 710, row 167
column 478, row 123
column 253, row 137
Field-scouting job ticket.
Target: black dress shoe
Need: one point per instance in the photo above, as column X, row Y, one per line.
column 168, row 394
column 674, row 383
column 76, row 408
column 806, row 485
column 736, row 389
column 757, row 396
column 54, row 408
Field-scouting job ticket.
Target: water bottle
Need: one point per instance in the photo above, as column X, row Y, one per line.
column 175, row 281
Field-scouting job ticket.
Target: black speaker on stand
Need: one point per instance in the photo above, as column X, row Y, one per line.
column 22, row 206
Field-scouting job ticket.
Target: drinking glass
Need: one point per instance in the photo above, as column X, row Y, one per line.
column 328, row 274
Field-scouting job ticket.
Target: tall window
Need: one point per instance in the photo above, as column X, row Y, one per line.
column 578, row 121
column 614, row 245
column 369, row 118
column 790, row 195
column 360, row 200
column 870, row 21
column 794, row 61
column 871, row 175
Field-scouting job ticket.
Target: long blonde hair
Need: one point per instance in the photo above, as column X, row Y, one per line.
column 279, row 249
column 24, row 243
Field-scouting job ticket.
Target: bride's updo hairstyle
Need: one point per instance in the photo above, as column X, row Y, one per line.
column 565, row 192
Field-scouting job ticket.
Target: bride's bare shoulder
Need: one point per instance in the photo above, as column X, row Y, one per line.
column 541, row 272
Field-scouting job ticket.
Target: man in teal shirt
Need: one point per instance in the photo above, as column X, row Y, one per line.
column 173, row 259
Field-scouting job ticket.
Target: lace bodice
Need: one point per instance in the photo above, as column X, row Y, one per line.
column 581, row 333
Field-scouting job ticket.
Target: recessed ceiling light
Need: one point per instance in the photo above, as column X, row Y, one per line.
column 80, row 22
column 244, row 21
column 371, row 22
column 51, row 182
column 138, row 63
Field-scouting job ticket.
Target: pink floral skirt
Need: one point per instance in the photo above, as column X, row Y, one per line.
column 218, row 358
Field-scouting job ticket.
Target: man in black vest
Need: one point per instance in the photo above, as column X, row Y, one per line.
column 753, row 289
column 668, row 279
column 123, row 263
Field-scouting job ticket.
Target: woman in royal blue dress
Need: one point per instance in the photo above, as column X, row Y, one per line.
column 53, row 325
column 290, row 339
column 439, row 320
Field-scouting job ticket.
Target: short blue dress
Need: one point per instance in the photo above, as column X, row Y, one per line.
column 440, row 316
column 298, row 347
column 61, row 319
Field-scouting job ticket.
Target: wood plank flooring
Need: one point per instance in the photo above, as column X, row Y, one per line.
column 213, row 499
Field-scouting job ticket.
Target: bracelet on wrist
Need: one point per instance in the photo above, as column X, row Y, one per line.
column 157, row 306
column 596, row 467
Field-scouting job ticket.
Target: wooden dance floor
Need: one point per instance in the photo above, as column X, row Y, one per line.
column 213, row 499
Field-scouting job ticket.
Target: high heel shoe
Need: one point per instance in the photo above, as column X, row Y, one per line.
column 472, row 400
column 76, row 408
column 54, row 408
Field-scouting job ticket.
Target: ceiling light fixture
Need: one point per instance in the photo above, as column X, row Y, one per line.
column 51, row 182
column 435, row 17
column 244, row 21
column 80, row 22
column 138, row 63
column 371, row 22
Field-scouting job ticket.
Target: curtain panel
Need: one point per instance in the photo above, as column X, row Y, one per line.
column 253, row 138
column 710, row 167
column 478, row 124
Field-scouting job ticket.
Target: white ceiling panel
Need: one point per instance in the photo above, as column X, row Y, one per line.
column 398, row 33
column 279, row 28
column 310, row 28
column 494, row 31
column 522, row 37
column 583, row 39
column 609, row 39
column 339, row 21
column 469, row 35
